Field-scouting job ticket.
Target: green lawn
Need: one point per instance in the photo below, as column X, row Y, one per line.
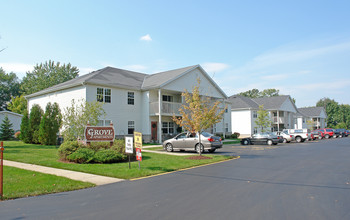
column 20, row 183
column 152, row 163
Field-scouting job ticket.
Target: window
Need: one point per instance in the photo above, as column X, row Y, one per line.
column 131, row 98
column 226, row 127
column 131, row 127
column 168, row 127
column 255, row 114
column 214, row 128
column 167, row 98
column 103, row 122
column 255, row 130
column 104, row 95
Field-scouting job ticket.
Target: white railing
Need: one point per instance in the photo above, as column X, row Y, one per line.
column 278, row 120
column 168, row 108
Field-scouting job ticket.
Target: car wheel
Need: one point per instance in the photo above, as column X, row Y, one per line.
column 201, row 149
column 245, row 142
column 320, row 137
column 327, row 136
column 284, row 140
column 298, row 139
column 211, row 150
column 169, row 147
column 269, row 142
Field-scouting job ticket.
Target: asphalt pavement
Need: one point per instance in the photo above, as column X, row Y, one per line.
column 289, row 181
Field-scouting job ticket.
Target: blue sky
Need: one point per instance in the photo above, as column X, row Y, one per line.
column 301, row 48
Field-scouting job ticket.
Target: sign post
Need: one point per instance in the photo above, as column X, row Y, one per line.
column 138, row 145
column 129, row 147
column 1, row 168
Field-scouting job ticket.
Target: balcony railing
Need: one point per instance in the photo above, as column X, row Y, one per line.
column 168, row 108
column 278, row 120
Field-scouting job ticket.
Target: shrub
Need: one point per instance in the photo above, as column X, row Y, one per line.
column 235, row 135
column 67, row 148
column 96, row 146
column 82, row 155
column 108, row 156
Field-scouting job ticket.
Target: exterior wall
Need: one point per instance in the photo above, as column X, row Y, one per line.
column 241, row 122
column 63, row 98
column 14, row 118
column 118, row 110
column 188, row 80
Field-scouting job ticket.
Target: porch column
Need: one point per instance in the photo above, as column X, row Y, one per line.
column 278, row 120
column 160, row 115
column 223, row 120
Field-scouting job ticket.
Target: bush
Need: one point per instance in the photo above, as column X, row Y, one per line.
column 82, row 155
column 67, row 148
column 235, row 135
column 108, row 156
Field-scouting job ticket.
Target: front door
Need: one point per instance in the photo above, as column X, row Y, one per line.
column 154, row 131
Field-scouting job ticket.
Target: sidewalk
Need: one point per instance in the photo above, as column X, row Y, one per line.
column 84, row 177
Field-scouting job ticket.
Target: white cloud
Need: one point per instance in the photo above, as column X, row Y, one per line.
column 85, row 70
column 214, row 67
column 147, row 37
column 19, row 68
column 275, row 77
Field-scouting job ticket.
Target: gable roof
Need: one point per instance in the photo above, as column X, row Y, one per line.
column 272, row 103
column 159, row 79
column 312, row 111
column 11, row 113
column 114, row 77
column 242, row 102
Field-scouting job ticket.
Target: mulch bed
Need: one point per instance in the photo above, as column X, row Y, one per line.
column 199, row 158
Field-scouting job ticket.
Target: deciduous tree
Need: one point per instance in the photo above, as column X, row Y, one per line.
column 46, row 75
column 76, row 117
column 263, row 120
column 9, row 86
column 198, row 112
column 18, row 104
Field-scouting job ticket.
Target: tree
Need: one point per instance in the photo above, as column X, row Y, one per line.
column 34, row 123
column 254, row 93
column 263, row 120
column 9, row 86
column 198, row 113
column 25, row 135
column 50, row 124
column 76, row 117
column 269, row 93
column 18, row 104
column 6, row 131
column 46, row 75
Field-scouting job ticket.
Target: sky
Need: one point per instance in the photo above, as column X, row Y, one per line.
column 300, row 47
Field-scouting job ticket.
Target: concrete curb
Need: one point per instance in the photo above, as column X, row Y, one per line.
column 74, row 175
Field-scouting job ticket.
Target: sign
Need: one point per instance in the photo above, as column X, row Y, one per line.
column 95, row 133
column 138, row 154
column 138, row 139
column 129, row 145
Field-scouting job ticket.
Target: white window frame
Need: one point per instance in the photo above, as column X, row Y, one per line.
column 131, row 98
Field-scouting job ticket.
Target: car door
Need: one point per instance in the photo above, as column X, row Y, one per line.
column 191, row 141
column 180, row 141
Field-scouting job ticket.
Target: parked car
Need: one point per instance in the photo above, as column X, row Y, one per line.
column 316, row 135
column 286, row 138
column 190, row 141
column 328, row 132
column 336, row 133
column 300, row 135
column 342, row 132
column 261, row 138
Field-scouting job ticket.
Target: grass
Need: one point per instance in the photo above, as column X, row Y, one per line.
column 152, row 163
column 20, row 183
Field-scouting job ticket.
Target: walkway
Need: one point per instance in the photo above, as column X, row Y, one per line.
column 84, row 177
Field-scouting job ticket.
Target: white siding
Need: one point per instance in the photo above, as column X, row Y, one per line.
column 63, row 98
column 118, row 110
column 189, row 80
column 15, row 119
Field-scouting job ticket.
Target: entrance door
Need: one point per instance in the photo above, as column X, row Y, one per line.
column 154, row 130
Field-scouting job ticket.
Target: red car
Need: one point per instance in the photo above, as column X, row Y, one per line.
column 328, row 132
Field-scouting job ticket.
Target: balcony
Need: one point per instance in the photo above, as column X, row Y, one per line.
column 278, row 120
column 168, row 108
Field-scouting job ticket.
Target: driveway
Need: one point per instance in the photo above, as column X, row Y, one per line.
column 291, row 181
